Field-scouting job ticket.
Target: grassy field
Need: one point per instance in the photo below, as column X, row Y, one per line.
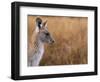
column 70, row 34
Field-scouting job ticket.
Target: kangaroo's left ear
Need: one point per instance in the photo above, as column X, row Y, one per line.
column 38, row 24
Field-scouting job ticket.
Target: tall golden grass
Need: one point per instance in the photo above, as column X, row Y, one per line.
column 70, row 34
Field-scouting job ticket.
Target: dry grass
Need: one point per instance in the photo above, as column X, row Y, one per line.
column 70, row 34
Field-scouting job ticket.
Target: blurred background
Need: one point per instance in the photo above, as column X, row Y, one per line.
column 70, row 34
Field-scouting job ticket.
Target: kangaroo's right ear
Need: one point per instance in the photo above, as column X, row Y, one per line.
column 38, row 24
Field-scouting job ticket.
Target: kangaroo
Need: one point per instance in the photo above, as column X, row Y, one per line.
column 40, row 36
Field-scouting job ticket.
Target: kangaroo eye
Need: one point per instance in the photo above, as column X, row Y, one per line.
column 47, row 34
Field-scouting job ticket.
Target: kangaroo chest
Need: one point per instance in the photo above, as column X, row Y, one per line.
column 37, row 55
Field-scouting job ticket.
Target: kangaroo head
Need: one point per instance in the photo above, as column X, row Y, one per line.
column 42, row 32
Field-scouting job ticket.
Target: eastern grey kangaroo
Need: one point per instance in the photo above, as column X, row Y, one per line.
column 40, row 36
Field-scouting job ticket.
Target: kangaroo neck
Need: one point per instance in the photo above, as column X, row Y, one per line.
column 40, row 46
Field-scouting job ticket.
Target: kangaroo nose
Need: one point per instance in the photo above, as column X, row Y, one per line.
column 53, row 41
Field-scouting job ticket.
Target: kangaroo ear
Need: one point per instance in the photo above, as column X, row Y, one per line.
column 45, row 23
column 38, row 24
